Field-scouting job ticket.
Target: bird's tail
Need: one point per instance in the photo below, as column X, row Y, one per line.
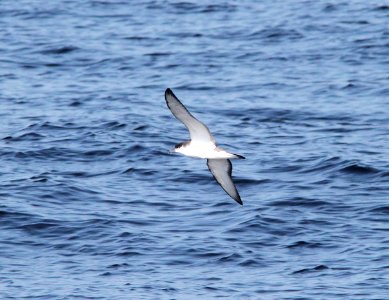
column 239, row 156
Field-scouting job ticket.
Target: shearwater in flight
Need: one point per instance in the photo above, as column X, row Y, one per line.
column 203, row 145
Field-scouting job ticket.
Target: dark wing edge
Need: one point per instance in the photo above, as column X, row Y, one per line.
column 169, row 93
column 181, row 113
column 221, row 170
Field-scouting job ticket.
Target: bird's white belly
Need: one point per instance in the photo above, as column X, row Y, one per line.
column 203, row 150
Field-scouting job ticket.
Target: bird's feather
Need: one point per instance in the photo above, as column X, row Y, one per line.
column 221, row 169
column 197, row 130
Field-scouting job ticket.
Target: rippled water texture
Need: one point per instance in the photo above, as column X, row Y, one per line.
column 93, row 206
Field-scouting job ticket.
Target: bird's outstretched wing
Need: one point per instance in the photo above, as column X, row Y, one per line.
column 197, row 130
column 221, row 169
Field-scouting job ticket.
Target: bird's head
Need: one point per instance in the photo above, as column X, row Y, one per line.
column 179, row 147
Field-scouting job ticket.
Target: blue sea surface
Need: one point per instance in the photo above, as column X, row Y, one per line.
column 93, row 205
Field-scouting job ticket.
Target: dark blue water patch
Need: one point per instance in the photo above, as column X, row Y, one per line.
column 252, row 182
column 234, row 257
column 384, row 174
column 113, row 125
column 337, row 165
column 75, row 103
column 304, row 244
column 189, row 8
column 251, row 263
column 53, row 127
column 82, row 173
column 318, row 268
column 139, row 38
column 381, row 209
column 48, row 153
column 382, row 8
column 46, row 228
column 301, row 202
column 98, row 153
column 40, row 178
column 201, row 179
column 359, row 169
column 60, row 50
column 283, row 168
column 299, row 117
column 141, row 128
column 184, row 35
column 331, row 7
column 10, row 218
column 276, row 34
column 30, row 136
column 43, row 154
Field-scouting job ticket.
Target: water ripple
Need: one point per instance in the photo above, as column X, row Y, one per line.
column 91, row 195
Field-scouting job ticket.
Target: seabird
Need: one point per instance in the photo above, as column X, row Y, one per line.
column 203, row 145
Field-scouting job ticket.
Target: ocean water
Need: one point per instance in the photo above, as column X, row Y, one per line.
column 93, row 206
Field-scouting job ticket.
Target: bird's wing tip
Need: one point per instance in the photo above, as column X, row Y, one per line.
column 239, row 201
column 168, row 94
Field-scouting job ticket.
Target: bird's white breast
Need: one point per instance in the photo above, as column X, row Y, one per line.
column 203, row 150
